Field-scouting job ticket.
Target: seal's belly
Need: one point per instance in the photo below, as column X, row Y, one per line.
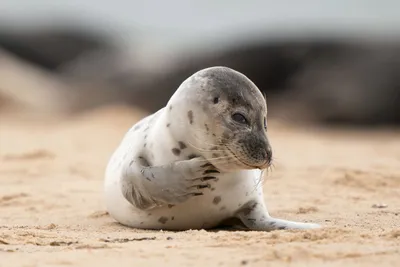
column 200, row 212
column 229, row 193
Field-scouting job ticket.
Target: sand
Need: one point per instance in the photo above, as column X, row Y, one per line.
column 52, row 211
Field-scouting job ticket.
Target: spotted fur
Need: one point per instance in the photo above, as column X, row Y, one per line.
column 192, row 164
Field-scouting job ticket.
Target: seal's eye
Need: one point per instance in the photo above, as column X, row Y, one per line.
column 239, row 118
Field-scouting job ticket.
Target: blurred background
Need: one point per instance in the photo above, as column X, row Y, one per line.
column 325, row 62
column 76, row 75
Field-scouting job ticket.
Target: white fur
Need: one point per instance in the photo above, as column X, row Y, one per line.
column 235, row 189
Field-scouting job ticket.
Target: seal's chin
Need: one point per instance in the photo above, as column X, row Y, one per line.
column 264, row 166
column 256, row 166
column 238, row 166
column 241, row 164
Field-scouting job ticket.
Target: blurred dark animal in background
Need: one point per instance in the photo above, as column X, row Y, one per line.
column 52, row 48
column 334, row 81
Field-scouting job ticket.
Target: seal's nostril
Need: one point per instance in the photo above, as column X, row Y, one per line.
column 269, row 154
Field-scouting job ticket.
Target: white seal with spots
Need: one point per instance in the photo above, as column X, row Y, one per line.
column 198, row 162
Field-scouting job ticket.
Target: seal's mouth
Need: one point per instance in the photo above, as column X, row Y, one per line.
column 261, row 167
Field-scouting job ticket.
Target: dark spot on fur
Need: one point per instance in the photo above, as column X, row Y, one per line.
column 197, row 194
column 248, row 208
column 246, row 211
column 216, row 100
column 170, row 206
column 141, row 222
column 130, row 163
column 235, row 87
column 144, row 161
column 190, row 116
column 169, row 238
column 192, row 156
column 203, row 186
column 212, row 189
column 145, row 136
column 176, row 151
column 214, row 148
column 215, row 155
column 216, row 200
column 170, row 107
column 163, row 220
column 172, row 218
column 181, row 145
column 147, row 128
column 152, row 175
column 214, row 135
column 205, row 125
column 168, row 124
column 225, row 137
column 137, row 127
column 223, row 208
column 145, row 144
column 148, row 214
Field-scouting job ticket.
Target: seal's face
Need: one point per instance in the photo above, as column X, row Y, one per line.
column 237, row 115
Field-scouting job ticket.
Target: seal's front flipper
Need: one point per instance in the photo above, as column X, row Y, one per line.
column 135, row 194
column 146, row 187
column 254, row 216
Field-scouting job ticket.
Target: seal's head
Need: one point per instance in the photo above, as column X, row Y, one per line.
column 223, row 116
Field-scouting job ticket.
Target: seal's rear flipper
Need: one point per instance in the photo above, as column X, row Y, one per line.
column 254, row 216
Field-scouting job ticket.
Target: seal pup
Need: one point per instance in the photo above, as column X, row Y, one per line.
column 197, row 162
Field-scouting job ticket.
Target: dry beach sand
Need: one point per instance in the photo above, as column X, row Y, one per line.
column 52, row 214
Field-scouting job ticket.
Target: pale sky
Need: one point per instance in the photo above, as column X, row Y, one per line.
column 199, row 19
